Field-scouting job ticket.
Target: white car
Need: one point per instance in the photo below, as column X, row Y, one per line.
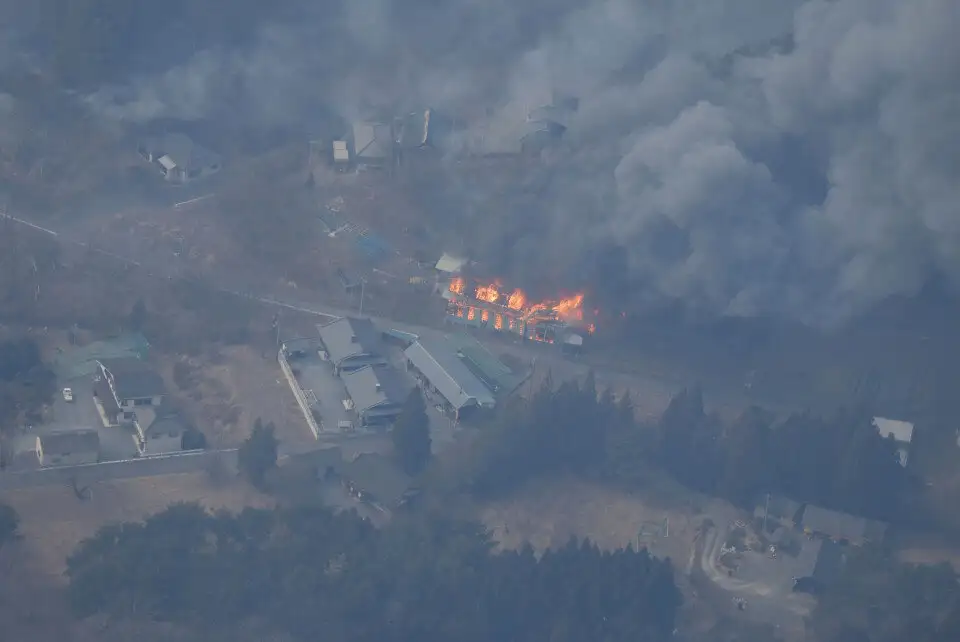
column 67, row 394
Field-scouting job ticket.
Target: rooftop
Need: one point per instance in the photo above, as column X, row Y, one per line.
column 439, row 362
column 450, row 264
column 496, row 376
column 901, row 431
column 372, row 141
column 349, row 337
column 133, row 379
column 837, row 525
column 162, row 419
column 66, row 442
column 181, row 149
column 371, row 386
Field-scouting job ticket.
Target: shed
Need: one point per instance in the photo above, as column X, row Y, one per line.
column 450, row 264
column 376, row 480
column 340, row 152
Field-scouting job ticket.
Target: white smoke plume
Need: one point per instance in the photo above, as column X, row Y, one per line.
column 794, row 158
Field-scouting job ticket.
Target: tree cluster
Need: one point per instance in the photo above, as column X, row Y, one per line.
column 310, row 572
column 411, row 435
column 257, row 455
column 26, row 383
column 878, row 599
column 839, row 462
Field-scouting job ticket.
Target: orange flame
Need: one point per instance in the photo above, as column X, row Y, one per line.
column 517, row 300
column 485, row 315
column 488, row 293
column 471, row 314
column 457, row 285
column 498, row 322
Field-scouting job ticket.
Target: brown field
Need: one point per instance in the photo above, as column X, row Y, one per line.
column 547, row 513
column 225, row 392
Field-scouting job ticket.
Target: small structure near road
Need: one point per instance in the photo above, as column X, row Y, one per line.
column 179, row 159
column 68, row 448
column 373, row 144
column 900, row 431
column 20, row 453
column 841, row 527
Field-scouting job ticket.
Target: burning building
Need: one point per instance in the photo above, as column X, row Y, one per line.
column 491, row 305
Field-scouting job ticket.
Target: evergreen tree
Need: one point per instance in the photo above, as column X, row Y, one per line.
column 411, row 435
column 9, row 524
column 258, row 454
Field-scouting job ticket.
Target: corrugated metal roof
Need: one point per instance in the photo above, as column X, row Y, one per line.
column 340, row 152
column 68, row 442
column 166, row 162
column 371, row 387
column 437, row 359
column 371, row 141
column 349, row 337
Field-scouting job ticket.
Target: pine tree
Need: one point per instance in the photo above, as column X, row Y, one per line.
column 258, row 454
column 411, row 435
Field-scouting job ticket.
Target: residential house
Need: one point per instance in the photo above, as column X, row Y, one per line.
column 123, row 386
column 179, row 159
column 372, row 144
column 441, row 369
column 350, row 344
column 159, row 429
column 377, row 394
column 900, row 431
column 841, row 527
column 68, row 448
column 21, row 452
column 378, row 482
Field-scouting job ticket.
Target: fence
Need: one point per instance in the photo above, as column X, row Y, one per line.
column 298, row 393
column 151, row 466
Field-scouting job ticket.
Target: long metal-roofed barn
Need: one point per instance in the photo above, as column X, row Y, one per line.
column 440, row 366
column 377, row 393
column 351, row 344
column 496, row 376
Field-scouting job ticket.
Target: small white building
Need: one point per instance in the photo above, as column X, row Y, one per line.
column 900, row 431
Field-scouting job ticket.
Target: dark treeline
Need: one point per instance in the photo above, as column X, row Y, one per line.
column 839, row 462
column 26, row 383
column 313, row 573
column 880, row 600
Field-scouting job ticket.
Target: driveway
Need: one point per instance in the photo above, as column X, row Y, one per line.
column 81, row 413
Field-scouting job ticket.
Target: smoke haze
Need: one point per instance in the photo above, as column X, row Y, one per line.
column 746, row 157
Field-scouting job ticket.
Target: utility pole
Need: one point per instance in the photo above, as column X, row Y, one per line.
column 276, row 326
column 362, row 284
column 766, row 510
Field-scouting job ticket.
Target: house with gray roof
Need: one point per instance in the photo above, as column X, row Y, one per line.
column 441, row 368
column 125, row 385
column 377, row 394
column 179, row 158
column 372, row 144
column 351, row 344
column 839, row 526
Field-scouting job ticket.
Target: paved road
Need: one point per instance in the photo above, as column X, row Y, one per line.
column 652, row 384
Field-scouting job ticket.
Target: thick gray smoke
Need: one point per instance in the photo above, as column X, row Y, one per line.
column 752, row 157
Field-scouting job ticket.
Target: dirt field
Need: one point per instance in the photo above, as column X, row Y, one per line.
column 548, row 513
column 226, row 391
column 54, row 521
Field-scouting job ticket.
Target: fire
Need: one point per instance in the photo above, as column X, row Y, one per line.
column 570, row 309
column 485, row 315
column 517, row 300
column 457, row 285
column 471, row 314
column 488, row 293
column 498, row 322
